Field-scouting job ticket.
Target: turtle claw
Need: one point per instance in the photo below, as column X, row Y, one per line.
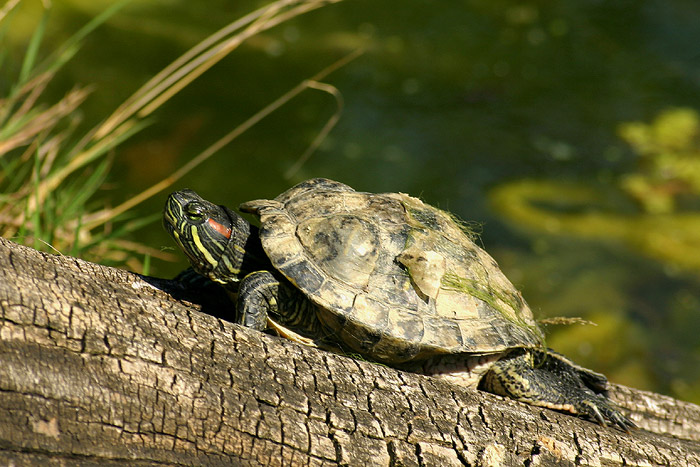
column 595, row 413
column 622, row 422
column 602, row 412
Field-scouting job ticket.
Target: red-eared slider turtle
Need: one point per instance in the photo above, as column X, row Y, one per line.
column 390, row 277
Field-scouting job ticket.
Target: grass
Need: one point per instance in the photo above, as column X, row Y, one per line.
column 50, row 177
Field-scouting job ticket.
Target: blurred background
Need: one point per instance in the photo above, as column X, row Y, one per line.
column 567, row 130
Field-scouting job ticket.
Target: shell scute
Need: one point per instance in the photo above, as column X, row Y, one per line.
column 345, row 247
column 304, row 275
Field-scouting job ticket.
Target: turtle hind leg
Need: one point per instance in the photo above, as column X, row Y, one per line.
column 546, row 380
column 557, row 363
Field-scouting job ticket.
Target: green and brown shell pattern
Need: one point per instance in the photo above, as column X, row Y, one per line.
column 393, row 278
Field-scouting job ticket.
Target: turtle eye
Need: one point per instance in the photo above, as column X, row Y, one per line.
column 195, row 211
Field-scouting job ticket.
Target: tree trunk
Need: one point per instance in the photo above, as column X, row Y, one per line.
column 102, row 366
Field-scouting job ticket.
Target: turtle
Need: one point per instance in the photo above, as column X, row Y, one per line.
column 388, row 277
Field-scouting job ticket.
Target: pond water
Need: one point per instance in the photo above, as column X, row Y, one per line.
column 507, row 113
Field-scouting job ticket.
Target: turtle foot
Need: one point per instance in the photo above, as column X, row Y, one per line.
column 550, row 380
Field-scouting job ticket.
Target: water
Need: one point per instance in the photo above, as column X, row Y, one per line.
column 464, row 104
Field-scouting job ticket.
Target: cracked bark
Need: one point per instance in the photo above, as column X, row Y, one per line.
column 102, row 366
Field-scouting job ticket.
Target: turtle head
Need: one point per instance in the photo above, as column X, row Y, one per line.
column 219, row 243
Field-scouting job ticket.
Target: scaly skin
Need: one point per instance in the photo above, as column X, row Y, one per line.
column 547, row 379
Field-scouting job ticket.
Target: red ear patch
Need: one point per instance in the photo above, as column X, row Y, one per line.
column 223, row 230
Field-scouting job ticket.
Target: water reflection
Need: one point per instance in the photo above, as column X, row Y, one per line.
column 664, row 225
column 506, row 113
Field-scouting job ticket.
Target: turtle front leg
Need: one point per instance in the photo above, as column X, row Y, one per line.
column 549, row 380
column 266, row 302
column 257, row 299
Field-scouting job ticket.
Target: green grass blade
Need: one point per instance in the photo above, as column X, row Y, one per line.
column 85, row 188
column 124, row 229
column 33, row 49
column 49, row 222
column 3, row 56
column 22, row 231
column 75, row 247
column 85, row 156
column 146, row 270
column 14, row 172
column 36, row 213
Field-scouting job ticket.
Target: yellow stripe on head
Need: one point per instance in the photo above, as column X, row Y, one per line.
column 200, row 247
column 229, row 266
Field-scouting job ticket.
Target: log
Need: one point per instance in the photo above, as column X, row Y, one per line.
column 102, row 366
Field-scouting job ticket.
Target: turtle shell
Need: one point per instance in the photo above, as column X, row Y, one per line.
column 392, row 277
